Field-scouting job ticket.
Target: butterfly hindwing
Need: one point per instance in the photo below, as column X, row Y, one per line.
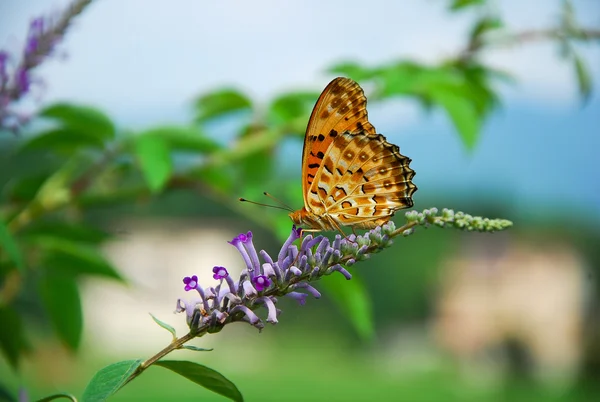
column 363, row 178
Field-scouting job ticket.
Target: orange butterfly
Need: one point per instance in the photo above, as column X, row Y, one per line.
column 351, row 176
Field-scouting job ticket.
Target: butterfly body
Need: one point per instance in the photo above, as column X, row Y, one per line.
column 351, row 176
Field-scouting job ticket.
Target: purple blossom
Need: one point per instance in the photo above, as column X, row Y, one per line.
column 261, row 282
column 190, row 283
column 266, row 279
column 220, row 273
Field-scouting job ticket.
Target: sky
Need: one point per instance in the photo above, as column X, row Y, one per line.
column 144, row 61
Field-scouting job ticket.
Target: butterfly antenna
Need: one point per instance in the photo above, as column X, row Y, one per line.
column 264, row 205
column 278, row 201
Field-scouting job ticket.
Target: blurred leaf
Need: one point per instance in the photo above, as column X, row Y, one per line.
column 257, row 169
column 165, row 326
column 219, row 178
column 196, row 348
column 204, row 376
column 461, row 4
column 463, row 115
column 67, row 231
column 221, row 102
column 109, row 380
column 401, row 78
column 183, row 138
column 73, row 258
column 84, row 119
column 63, row 304
column 26, row 188
column 12, row 335
column 155, row 161
column 287, row 109
column 9, row 245
column 353, row 299
column 484, row 25
column 584, row 79
column 352, row 70
column 63, row 139
column 6, row 395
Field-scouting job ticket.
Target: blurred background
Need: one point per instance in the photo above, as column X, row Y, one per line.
column 127, row 141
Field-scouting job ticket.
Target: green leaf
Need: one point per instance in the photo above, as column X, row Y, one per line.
column 196, row 348
column 292, row 109
column 63, row 304
column 63, row 139
column 10, row 247
column 352, row 70
column 462, row 113
column 155, row 161
column 204, row 376
column 182, row 138
column 484, row 25
column 12, row 336
column 73, row 258
column 109, row 380
column 584, row 79
column 461, row 4
column 165, row 326
column 220, row 179
column 6, row 395
column 67, row 231
column 353, row 299
column 220, row 103
column 83, row 119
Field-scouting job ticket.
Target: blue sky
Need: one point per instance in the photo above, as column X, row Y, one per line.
column 143, row 61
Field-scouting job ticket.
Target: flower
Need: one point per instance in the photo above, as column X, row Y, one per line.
column 190, row 282
column 265, row 280
column 261, row 282
column 220, row 273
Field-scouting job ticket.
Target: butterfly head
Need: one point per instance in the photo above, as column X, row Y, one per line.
column 302, row 218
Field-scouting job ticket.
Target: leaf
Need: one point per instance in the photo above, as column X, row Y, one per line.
column 484, row 25
column 63, row 304
column 292, row 109
column 196, row 348
column 220, row 179
column 67, row 231
column 155, row 161
column 354, row 301
column 73, row 258
column 183, row 138
column 165, row 326
column 109, row 380
column 204, row 376
column 352, row 70
column 463, row 115
column 12, row 336
column 584, row 79
column 63, row 139
column 9, row 245
column 83, row 119
column 220, row 103
column 461, row 4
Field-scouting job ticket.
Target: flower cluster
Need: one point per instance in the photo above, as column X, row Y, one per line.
column 264, row 279
column 16, row 73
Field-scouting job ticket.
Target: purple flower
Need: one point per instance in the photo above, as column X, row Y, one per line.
column 241, row 238
column 220, row 273
column 190, row 282
column 261, row 282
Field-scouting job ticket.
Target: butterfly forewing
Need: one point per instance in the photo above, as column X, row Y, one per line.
column 341, row 107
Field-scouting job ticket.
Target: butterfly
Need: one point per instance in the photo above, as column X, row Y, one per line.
column 351, row 176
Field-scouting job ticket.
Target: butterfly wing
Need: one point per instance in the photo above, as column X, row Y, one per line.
column 341, row 107
column 363, row 180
